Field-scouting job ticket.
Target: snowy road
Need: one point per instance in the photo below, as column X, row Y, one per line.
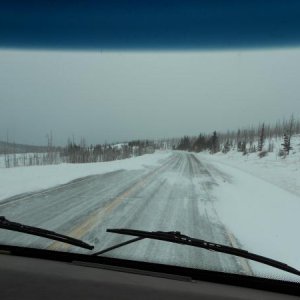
column 177, row 195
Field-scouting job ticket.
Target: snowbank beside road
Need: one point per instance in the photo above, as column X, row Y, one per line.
column 283, row 172
column 19, row 180
column 261, row 215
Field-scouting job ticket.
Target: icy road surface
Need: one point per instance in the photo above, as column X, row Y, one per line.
column 174, row 196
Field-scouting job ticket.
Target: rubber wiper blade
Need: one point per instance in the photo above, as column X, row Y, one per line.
column 13, row 226
column 178, row 238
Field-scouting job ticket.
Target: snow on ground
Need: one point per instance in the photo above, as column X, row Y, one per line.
column 284, row 172
column 120, row 145
column 19, row 180
column 260, row 204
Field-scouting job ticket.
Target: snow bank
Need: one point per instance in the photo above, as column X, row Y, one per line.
column 19, row 180
column 283, row 172
column 263, row 217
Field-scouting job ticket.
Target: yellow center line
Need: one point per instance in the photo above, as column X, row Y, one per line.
column 244, row 262
column 97, row 216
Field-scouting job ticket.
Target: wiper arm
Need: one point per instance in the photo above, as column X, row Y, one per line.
column 13, row 226
column 178, row 238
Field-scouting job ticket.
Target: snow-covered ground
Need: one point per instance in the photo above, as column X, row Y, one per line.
column 260, row 203
column 284, row 172
column 19, row 180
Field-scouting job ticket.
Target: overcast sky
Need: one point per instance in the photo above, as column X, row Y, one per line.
column 117, row 96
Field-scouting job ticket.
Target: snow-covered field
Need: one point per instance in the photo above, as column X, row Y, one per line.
column 19, row 180
column 260, row 202
column 283, row 172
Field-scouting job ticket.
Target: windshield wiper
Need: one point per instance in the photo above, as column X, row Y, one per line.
column 13, row 226
column 178, row 238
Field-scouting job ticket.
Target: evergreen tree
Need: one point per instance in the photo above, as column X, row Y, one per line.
column 244, row 147
column 214, row 144
column 226, row 147
column 200, row 144
column 240, row 146
column 184, row 144
column 286, row 144
column 287, row 137
column 261, row 138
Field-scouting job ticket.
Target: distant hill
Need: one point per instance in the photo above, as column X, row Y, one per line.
column 20, row 148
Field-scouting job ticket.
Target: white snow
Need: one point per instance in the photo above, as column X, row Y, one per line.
column 120, row 145
column 19, row 180
column 283, row 172
column 260, row 204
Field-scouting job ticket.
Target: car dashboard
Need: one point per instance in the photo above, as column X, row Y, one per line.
column 41, row 277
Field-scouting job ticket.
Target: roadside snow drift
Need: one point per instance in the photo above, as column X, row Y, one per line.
column 261, row 215
column 19, row 180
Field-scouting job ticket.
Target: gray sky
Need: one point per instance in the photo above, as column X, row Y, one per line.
column 116, row 96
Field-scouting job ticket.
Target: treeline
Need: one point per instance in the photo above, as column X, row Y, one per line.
column 14, row 155
column 73, row 152
column 19, row 155
column 201, row 143
column 258, row 139
column 80, row 153
column 12, row 160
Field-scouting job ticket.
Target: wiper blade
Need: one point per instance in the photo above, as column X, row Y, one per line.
column 178, row 238
column 13, row 226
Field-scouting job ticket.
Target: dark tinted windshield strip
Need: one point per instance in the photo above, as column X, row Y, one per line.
column 278, row 286
column 168, row 24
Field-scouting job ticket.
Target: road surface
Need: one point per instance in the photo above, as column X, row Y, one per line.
column 177, row 195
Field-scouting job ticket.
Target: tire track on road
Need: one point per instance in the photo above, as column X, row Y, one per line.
column 231, row 239
column 98, row 215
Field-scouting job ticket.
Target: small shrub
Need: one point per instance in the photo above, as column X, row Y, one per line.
column 281, row 153
column 262, row 154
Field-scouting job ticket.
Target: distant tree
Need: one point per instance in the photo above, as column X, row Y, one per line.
column 200, row 143
column 15, row 160
column 244, row 147
column 184, row 144
column 287, row 137
column 286, row 144
column 214, row 143
column 238, row 136
column 261, row 140
column 271, row 146
column 240, row 146
column 7, row 152
column 252, row 149
column 226, row 147
column 50, row 147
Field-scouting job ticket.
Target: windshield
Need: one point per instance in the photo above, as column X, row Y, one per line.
column 202, row 142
